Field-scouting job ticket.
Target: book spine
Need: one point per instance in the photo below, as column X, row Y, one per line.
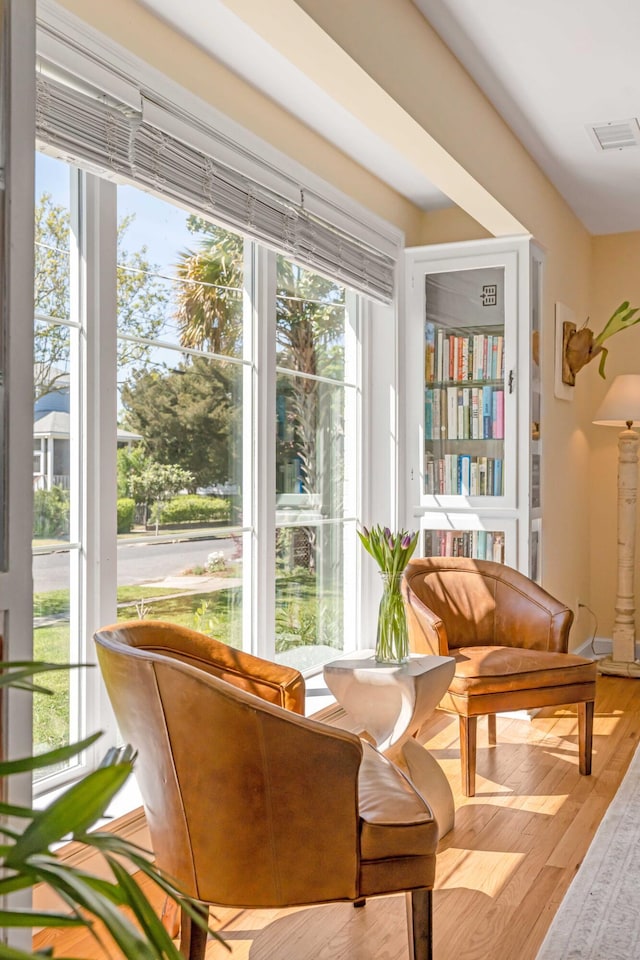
column 475, row 414
column 435, row 414
column 429, row 351
column 499, row 415
column 500, row 360
column 466, row 412
column 452, row 413
column 465, row 475
column 487, row 411
column 497, row 486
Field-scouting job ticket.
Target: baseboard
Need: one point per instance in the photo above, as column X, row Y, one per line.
column 594, row 648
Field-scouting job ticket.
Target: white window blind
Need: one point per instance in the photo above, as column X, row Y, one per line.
column 145, row 146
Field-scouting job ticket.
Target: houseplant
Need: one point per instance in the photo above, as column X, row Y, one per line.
column 27, row 857
column 392, row 552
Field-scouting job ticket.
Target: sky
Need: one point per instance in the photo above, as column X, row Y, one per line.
column 158, row 225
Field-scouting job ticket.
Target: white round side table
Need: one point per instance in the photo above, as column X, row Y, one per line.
column 391, row 702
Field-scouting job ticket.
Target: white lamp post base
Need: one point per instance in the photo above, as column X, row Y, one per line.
column 619, row 668
column 623, row 663
column 622, row 406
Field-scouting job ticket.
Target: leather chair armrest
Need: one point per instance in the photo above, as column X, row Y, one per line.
column 427, row 632
column 528, row 616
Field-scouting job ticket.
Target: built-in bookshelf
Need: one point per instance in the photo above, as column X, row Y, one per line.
column 478, row 544
column 464, row 475
column 462, row 357
column 464, row 397
column 473, row 349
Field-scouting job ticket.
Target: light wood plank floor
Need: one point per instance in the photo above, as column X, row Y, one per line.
column 501, row 872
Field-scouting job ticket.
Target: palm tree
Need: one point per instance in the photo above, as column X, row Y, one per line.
column 310, row 321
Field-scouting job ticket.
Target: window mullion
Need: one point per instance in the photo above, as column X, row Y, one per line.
column 99, row 413
column 264, row 496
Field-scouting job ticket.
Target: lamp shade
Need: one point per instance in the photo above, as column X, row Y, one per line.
column 621, row 403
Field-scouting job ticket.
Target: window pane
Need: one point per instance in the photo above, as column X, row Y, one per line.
column 310, row 335
column 180, row 427
column 312, row 472
column 315, row 469
column 56, row 719
column 180, row 277
column 311, row 585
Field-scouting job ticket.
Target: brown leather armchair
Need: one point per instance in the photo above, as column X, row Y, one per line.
column 250, row 804
column 509, row 638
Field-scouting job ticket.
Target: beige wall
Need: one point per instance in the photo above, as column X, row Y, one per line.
column 409, row 63
column 615, row 277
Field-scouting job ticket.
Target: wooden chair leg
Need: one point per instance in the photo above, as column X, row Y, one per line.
column 193, row 939
column 362, row 902
column 491, row 724
column 420, row 924
column 585, row 735
column 468, row 727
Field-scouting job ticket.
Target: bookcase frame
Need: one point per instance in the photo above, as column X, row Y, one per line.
column 440, row 462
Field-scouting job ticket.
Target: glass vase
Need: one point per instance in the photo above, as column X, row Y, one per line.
column 392, row 641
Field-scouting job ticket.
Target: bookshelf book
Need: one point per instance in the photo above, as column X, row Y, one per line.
column 473, row 318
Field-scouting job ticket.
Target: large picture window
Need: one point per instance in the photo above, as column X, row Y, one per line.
column 180, row 350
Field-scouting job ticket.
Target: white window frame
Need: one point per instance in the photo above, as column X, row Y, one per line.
column 379, row 496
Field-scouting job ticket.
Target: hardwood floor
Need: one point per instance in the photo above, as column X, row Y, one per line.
column 501, row 872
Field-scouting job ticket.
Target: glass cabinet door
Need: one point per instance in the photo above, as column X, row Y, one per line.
column 464, row 392
column 473, row 387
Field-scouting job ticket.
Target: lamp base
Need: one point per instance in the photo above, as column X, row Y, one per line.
column 619, row 668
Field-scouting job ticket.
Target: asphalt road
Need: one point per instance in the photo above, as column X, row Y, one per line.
column 137, row 562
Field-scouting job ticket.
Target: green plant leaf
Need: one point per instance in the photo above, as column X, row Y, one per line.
column 139, row 857
column 10, row 953
column 620, row 319
column 12, row 672
column 76, row 888
column 75, row 810
column 146, row 915
column 8, row 767
column 32, row 918
column 14, row 883
column 11, row 810
column 603, row 357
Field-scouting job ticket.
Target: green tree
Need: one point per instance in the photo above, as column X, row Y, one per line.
column 209, row 301
column 156, row 483
column 142, row 298
column 189, row 416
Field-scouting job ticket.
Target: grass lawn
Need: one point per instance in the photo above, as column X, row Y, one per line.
column 300, row 620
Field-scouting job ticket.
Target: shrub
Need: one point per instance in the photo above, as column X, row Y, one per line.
column 126, row 510
column 190, row 508
column 51, row 513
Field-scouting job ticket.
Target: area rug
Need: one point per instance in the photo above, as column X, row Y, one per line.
column 599, row 918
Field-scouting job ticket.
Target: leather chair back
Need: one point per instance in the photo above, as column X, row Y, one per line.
column 476, row 603
column 213, row 758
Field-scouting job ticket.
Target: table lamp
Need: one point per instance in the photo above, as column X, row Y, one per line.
column 621, row 408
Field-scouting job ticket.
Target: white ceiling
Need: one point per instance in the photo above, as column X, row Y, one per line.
column 552, row 68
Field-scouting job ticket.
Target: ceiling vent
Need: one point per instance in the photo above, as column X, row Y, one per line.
column 615, row 135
